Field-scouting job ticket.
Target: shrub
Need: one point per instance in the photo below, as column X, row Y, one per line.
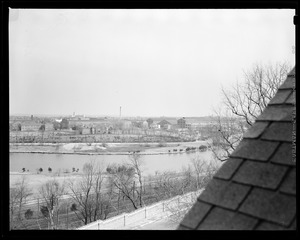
column 73, row 207
column 28, row 214
column 44, row 210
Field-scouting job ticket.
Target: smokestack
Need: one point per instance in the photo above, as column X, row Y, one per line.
column 120, row 111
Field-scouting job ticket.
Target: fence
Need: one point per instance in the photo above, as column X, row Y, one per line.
column 67, row 219
column 162, row 209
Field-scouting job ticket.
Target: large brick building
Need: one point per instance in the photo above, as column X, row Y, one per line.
column 181, row 123
column 30, row 126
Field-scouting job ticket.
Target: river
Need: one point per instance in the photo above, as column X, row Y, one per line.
column 152, row 163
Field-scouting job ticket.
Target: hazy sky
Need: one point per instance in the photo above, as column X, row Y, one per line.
column 151, row 62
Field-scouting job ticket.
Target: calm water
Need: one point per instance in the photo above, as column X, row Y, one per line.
column 152, row 163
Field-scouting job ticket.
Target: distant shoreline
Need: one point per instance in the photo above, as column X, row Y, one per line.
column 99, row 153
column 109, row 149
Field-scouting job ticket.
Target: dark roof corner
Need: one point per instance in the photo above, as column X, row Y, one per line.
column 256, row 187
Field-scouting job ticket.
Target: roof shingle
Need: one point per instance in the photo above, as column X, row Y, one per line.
column 270, row 205
column 288, row 84
column 255, row 149
column 280, row 97
column 279, row 132
column 269, row 226
column 283, row 155
column 223, row 193
column 221, row 219
column 277, row 113
column 291, row 99
column 289, row 184
column 256, row 130
column 195, row 214
column 227, row 170
column 265, row 175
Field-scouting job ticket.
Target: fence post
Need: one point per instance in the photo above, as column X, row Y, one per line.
column 67, row 217
column 57, row 219
column 98, row 225
column 145, row 212
column 133, row 188
column 124, row 220
column 163, row 206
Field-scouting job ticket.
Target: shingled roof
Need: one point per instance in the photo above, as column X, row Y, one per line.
column 255, row 189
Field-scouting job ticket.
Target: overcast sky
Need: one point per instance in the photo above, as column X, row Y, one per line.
column 151, row 62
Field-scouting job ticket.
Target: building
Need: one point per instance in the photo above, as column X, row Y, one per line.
column 255, row 189
column 30, row 126
column 164, row 124
column 181, row 123
column 145, row 124
column 126, row 124
column 155, row 126
column 137, row 124
column 86, row 131
column 48, row 126
column 79, row 117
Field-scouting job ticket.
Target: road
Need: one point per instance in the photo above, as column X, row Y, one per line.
column 156, row 224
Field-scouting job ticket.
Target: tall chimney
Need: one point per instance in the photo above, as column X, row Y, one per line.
column 120, row 111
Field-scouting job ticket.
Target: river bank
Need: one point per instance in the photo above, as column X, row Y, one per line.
column 106, row 148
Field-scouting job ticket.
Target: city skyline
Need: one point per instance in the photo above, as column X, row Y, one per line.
column 150, row 62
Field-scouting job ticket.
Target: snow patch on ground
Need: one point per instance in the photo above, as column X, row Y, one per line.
column 83, row 146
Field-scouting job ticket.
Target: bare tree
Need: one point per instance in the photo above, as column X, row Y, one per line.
column 246, row 101
column 123, row 178
column 169, row 183
column 51, row 192
column 86, row 192
column 136, row 162
column 203, row 171
column 226, row 133
column 249, row 98
column 18, row 195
